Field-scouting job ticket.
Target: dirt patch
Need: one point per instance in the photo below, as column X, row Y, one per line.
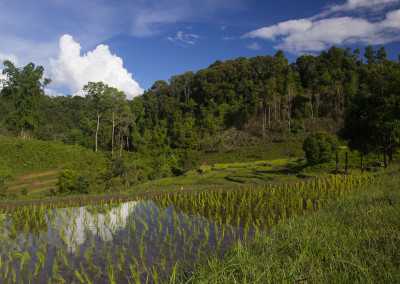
column 32, row 183
column 35, row 175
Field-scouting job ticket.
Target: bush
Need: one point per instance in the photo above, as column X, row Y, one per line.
column 69, row 181
column 320, row 147
column 24, row 191
column 3, row 189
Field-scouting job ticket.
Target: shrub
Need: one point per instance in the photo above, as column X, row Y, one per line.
column 3, row 189
column 69, row 181
column 24, row 191
column 320, row 147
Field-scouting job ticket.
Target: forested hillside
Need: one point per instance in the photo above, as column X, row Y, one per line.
column 256, row 99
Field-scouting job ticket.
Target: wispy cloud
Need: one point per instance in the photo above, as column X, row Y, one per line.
column 254, row 46
column 317, row 33
column 73, row 70
column 229, row 38
column 356, row 4
column 150, row 17
column 31, row 29
column 184, row 39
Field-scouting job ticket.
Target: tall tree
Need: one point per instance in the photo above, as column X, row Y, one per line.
column 24, row 87
column 372, row 122
column 99, row 96
column 117, row 104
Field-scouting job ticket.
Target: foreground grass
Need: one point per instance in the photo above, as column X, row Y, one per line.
column 355, row 239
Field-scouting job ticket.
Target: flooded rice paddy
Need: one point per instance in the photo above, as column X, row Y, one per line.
column 148, row 240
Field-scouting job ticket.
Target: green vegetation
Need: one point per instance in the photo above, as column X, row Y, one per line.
column 149, row 240
column 24, row 88
column 354, row 239
column 69, row 181
column 320, row 147
column 20, row 157
column 219, row 154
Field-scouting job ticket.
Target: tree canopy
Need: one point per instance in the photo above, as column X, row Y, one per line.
column 372, row 121
column 24, row 87
column 264, row 95
column 320, row 147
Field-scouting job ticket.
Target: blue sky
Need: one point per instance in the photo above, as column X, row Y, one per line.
column 129, row 44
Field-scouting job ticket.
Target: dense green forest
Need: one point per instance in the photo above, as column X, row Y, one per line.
column 238, row 101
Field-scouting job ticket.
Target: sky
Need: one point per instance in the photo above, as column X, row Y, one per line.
column 130, row 44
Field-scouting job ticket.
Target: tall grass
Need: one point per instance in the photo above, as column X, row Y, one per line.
column 355, row 239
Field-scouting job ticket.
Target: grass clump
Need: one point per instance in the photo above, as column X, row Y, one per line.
column 221, row 166
column 205, row 168
column 355, row 239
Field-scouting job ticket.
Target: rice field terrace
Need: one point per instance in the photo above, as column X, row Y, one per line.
column 36, row 184
column 228, row 174
column 149, row 240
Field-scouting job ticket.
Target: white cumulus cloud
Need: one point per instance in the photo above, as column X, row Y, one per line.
column 356, row 4
column 73, row 70
column 304, row 35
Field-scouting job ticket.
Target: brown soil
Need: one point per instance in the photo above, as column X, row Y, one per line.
column 34, row 175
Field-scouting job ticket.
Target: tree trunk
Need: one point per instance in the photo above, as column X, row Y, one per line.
column 121, row 145
column 97, row 131
column 384, row 159
column 362, row 167
column 317, row 102
column 309, row 93
column 24, row 133
column 289, row 112
column 263, row 120
column 269, row 116
column 112, row 137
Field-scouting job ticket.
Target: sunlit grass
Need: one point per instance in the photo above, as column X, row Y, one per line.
column 147, row 240
column 353, row 240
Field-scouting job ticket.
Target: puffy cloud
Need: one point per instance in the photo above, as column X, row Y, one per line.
column 298, row 36
column 13, row 58
column 72, row 70
column 284, row 28
column 184, row 39
column 52, row 92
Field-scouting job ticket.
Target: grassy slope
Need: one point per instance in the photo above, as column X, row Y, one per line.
column 355, row 239
column 19, row 156
column 34, row 164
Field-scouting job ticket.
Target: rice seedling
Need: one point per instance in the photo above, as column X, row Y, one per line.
column 149, row 240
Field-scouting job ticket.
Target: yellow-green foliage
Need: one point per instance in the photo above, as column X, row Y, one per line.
column 151, row 240
column 221, row 166
column 205, row 168
column 264, row 169
column 264, row 205
column 278, row 162
column 20, row 156
column 165, row 181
